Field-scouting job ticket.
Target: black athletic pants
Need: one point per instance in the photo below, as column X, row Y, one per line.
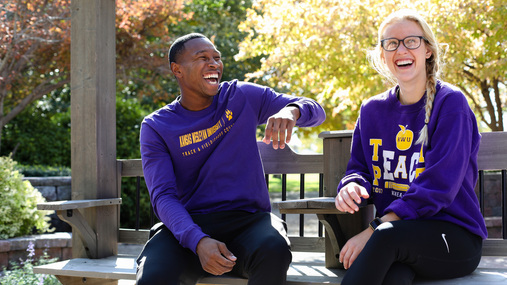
column 258, row 240
column 398, row 251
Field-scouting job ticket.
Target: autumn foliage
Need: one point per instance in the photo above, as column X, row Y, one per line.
column 318, row 48
column 35, row 46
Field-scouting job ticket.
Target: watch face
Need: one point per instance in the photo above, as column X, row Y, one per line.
column 375, row 223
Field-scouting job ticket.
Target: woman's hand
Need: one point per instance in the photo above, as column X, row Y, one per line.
column 353, row 247
column 349, row 196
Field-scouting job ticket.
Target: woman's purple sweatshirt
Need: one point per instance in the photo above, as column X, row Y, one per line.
column 432, row 182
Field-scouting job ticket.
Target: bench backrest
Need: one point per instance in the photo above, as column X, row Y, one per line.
column 282, row 161
column 492, row 156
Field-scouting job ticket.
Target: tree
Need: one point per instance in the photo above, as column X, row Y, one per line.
column 35, row 47
column 318, row 48
column 219, row 20
column 142, row 42
column 145, row 30
column 32, row 50
column 476, row 56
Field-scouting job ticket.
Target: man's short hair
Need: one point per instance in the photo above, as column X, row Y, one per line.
column 179, row 45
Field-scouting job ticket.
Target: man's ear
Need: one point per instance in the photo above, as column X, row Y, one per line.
column 176, row 69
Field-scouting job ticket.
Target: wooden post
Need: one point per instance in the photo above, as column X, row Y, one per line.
column 93, row 118
column 336, row 151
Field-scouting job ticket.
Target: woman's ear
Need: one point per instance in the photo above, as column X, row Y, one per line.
column 428, row 53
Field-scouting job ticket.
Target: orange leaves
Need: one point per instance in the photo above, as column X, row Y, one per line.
column 133, row 15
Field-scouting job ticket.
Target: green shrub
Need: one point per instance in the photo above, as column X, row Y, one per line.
column 18, row 203
column 43, row 171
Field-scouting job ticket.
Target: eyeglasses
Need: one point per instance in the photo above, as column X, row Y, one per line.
column 410, row 42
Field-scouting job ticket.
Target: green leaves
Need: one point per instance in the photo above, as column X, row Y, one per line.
column 318, row 49
column 18, row 203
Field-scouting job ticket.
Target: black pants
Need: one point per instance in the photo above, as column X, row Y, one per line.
column 258, row 240
column 399, row 251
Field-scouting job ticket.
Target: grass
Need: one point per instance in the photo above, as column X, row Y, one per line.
column 293, row 181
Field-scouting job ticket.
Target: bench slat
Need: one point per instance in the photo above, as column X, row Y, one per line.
column 131, row 167
column 113, row 267
column 493, row 151
column 286, row 161
column 494, row 247
column 77, row 204
column 307, row 244
column 132, row 236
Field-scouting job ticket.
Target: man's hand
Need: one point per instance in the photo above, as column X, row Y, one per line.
column 214, row 256
column 279, row 126
column 349, row 196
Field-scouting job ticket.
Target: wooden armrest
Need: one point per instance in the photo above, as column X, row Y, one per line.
column 65, row 211
column 77, row 204
column 309, row 203
column 312, row 203
column 318, row 205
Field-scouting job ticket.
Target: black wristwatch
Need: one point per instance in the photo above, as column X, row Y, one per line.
column 375, row 223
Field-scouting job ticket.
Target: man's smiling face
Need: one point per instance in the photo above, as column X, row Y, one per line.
column 199, row 70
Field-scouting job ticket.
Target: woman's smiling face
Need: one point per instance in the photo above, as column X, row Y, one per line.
column 407, row 65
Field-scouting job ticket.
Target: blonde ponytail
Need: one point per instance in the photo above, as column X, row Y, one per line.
column 430, row 96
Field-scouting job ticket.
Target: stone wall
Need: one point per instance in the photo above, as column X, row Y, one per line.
column 57, row 245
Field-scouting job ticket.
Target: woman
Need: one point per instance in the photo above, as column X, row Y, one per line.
column 428, row 220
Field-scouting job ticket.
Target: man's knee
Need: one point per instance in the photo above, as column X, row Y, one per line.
column 275, row 254
column 152, row 275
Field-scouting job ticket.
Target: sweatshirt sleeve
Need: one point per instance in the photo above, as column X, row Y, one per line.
column 160, row 179
column 312, row 114
column 357, row 169
column 269, row 102
column 448, row 158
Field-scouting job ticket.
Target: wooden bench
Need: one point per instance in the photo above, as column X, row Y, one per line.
column 492, row 156
column 314, row 257
column 122, row 266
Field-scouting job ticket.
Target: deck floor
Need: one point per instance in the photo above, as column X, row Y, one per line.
column 309, row 267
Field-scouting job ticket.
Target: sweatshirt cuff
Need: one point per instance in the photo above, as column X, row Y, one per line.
column 193, row 239
column 354, row 178
column 299, row 106
column 402, row 209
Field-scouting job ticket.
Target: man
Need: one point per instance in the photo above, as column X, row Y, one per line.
column 205, row 177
